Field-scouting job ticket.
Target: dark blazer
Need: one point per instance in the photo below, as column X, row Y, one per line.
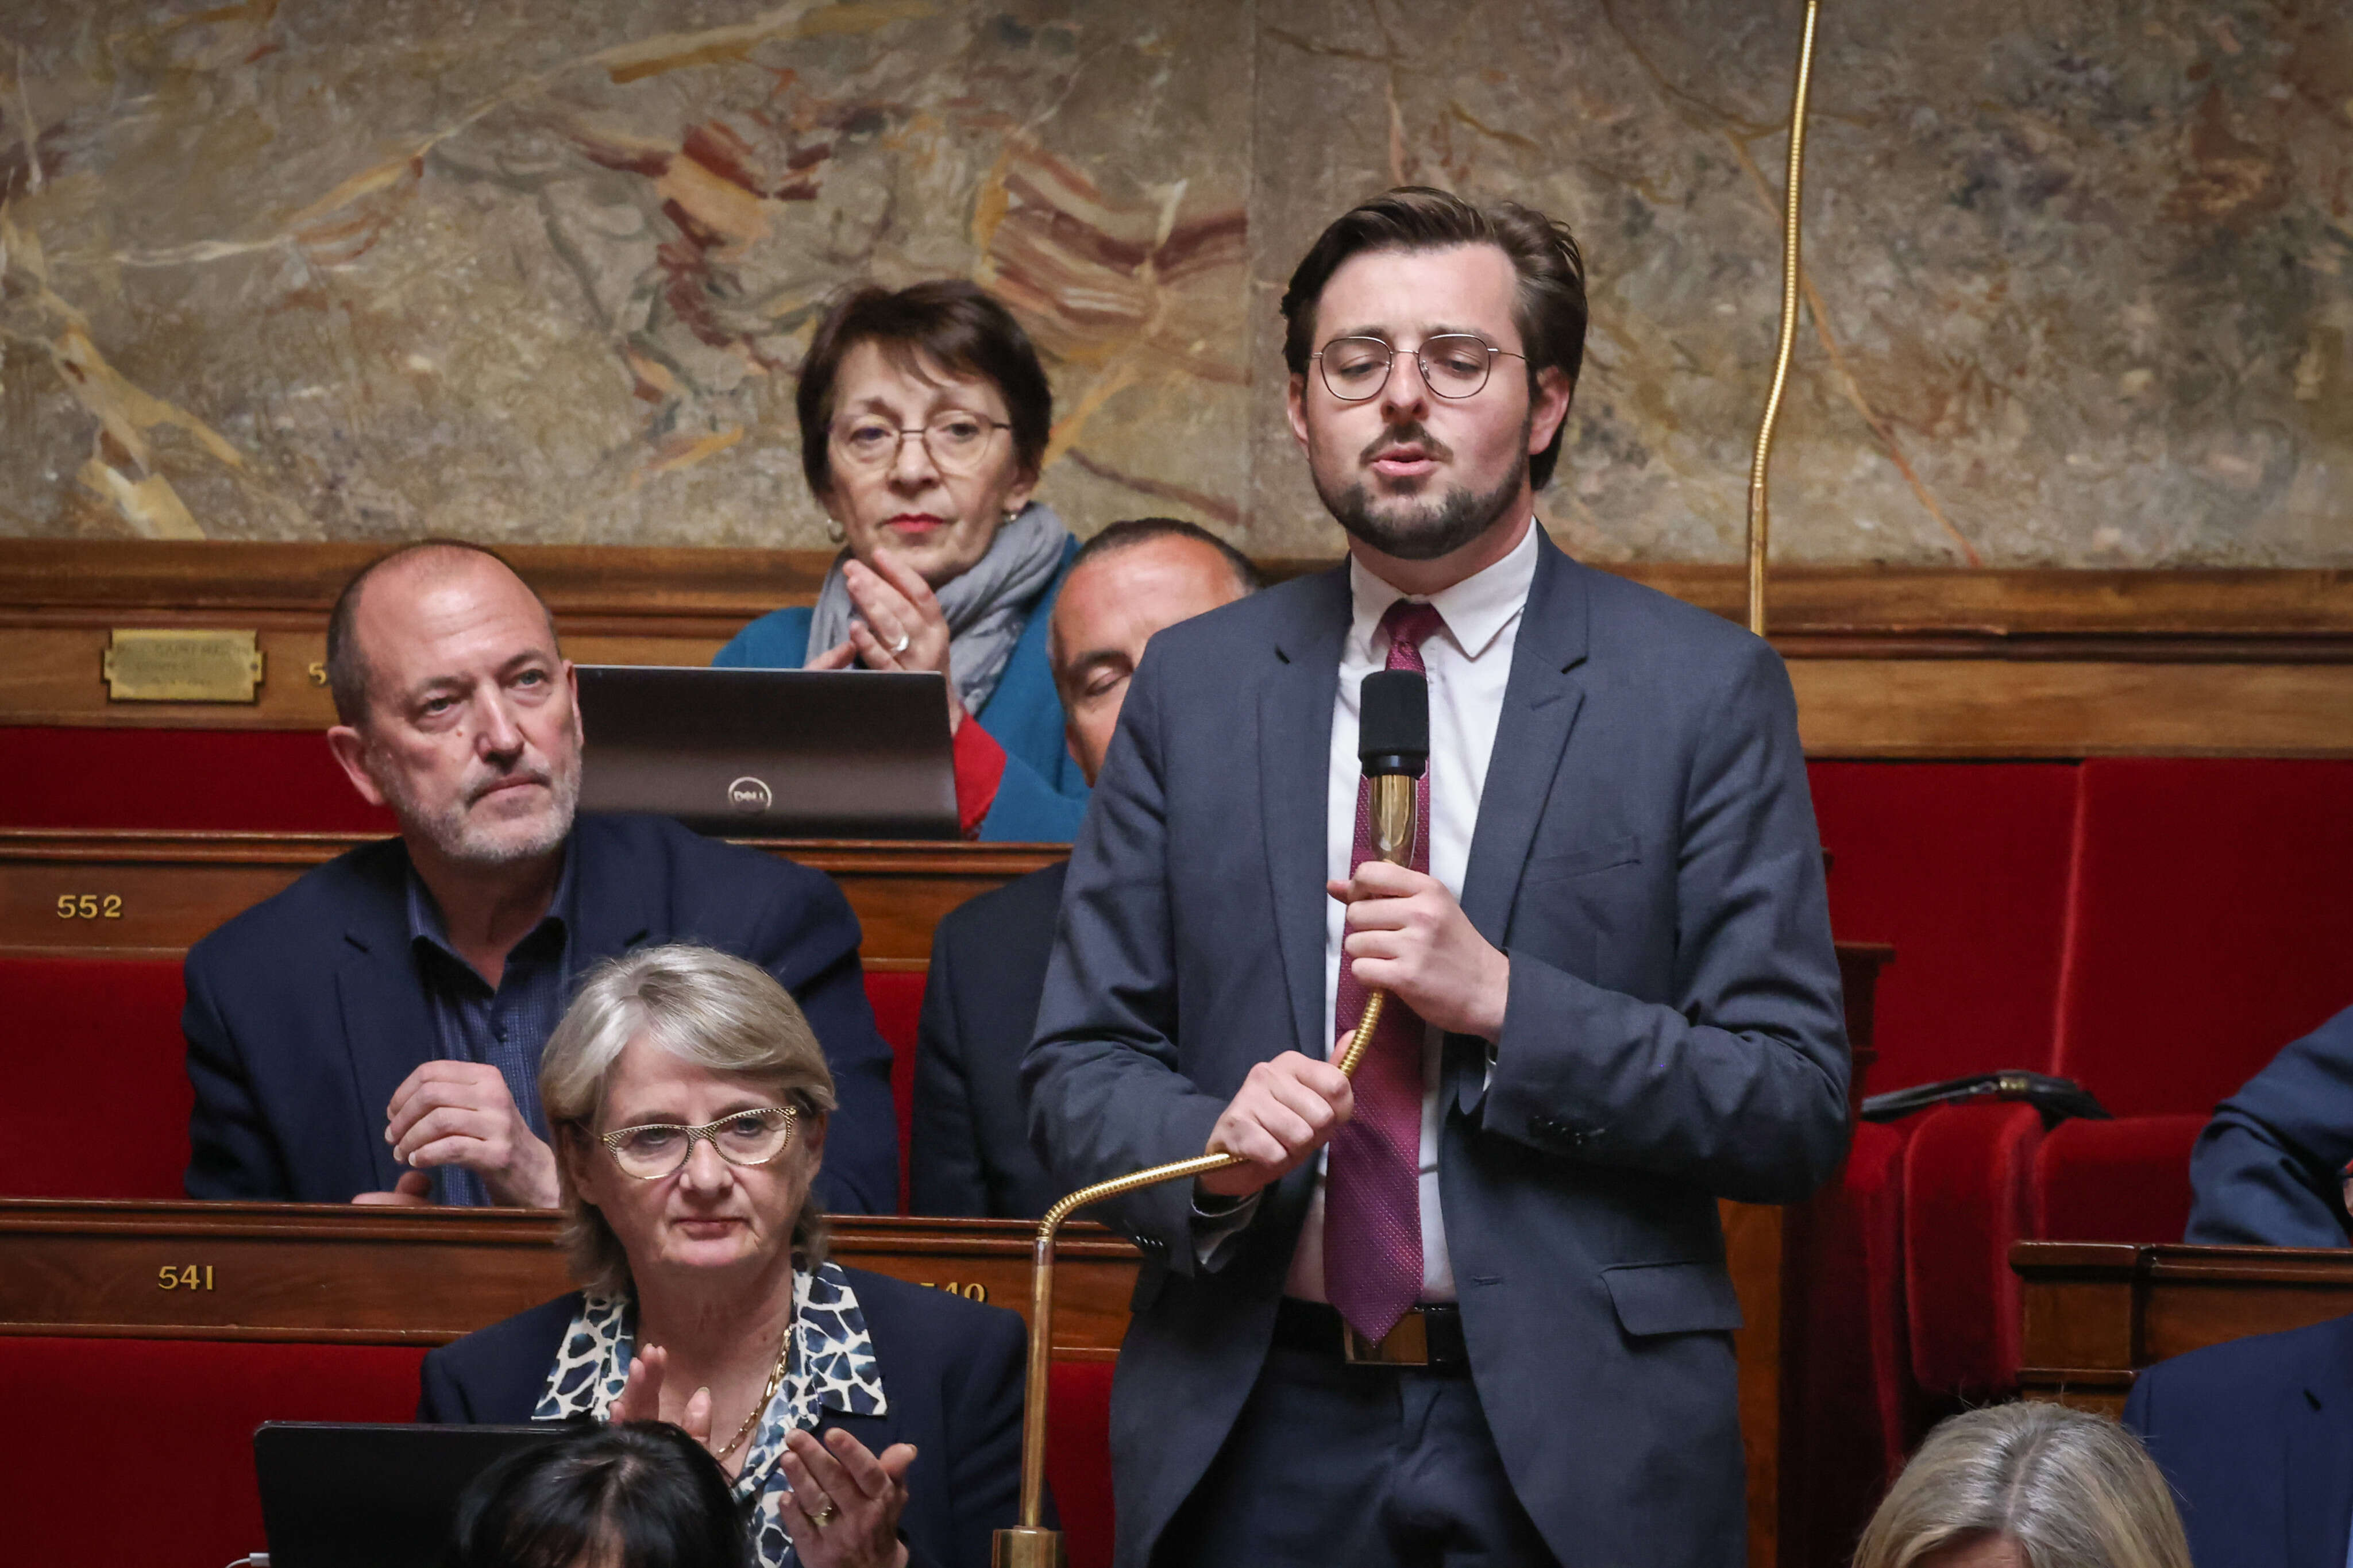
column 951, row 1377
column 306, row 1012
column 2265, row 1170
column 2256, row 1438
column 1646, row 854
column 970, row 1152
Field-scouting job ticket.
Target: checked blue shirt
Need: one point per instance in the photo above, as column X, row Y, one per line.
column 506, row 1026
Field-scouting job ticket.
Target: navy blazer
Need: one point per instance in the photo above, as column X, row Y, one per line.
column 970, row 1150
column 306, row 1011
column 952, row 1374
column 2265, row 1170
column 2256, row 1438
column 1646, row 854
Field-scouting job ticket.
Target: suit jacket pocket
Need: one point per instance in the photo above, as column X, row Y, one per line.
column 1673, row 1298
column 1585, row 860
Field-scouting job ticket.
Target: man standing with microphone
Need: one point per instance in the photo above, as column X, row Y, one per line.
column 1470, row 1307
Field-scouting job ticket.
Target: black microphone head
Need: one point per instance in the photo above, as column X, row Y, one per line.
column 1393, row 722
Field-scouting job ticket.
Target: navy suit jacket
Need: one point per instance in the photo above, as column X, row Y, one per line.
column 1646, row 854
column 970, row 1152
column 2256, row 1438
column 2265, row 1172
column 952, row 1376
column 306, row 1011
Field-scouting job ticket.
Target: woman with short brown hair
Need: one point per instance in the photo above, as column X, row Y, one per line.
column 923, row 415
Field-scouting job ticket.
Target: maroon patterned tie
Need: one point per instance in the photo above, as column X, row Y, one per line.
column 1372, row 1194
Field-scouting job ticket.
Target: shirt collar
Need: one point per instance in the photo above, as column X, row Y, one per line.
column 1475, row 610
column 425, row 924
column 833, row 1366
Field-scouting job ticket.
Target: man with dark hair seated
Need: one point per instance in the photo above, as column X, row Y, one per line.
column 639, row 1495
column 971, row 1144
column 2269, row 1170
column 373, row 1032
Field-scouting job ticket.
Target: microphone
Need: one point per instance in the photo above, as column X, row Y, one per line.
column 1393, row 743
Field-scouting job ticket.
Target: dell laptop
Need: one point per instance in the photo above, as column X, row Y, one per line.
column 771, row 753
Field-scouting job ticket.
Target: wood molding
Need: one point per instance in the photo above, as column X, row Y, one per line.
column 2094, row 1313
column 1888, row 662
column 174, row 888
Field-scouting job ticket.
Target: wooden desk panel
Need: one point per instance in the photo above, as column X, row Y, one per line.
column 331, row 1274
column 2097, row 1312
column 157, row 893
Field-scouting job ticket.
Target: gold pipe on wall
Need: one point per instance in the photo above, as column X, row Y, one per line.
column 1759, row 512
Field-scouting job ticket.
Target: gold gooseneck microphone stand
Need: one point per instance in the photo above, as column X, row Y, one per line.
column 1031, row 1544
column 1759, row 520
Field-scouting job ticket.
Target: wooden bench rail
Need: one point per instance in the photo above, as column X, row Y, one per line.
column 315, row 1273
column 1888, row 662
column 155, row 894
column 2094, row 1313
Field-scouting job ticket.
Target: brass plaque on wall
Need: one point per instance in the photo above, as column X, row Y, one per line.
column 181, row 666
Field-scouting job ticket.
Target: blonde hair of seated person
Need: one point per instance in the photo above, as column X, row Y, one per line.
column 2063, row 1489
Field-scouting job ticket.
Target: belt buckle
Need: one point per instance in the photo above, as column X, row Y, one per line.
column 1408, row 1344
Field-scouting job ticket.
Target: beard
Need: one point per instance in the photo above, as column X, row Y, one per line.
column 453, row 831
column 1418, row 528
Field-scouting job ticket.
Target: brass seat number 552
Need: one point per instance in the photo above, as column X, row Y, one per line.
column 90, row 906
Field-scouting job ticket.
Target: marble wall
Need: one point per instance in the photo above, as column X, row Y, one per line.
column 542, row 269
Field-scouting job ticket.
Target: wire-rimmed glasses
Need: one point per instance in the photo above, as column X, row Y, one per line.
column 957, row 440
column 658, row 1149
column 1453, row 366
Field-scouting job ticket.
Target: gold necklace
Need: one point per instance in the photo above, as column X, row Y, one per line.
column 760, row 1405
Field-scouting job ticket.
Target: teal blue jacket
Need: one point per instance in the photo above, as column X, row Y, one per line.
column 1043, row 795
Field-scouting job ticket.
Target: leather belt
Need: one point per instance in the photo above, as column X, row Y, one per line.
column 1429, row 1338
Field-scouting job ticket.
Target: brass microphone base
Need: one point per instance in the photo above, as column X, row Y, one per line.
column 1026, row 1547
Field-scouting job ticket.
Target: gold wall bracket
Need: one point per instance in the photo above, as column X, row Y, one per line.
column 181, row 665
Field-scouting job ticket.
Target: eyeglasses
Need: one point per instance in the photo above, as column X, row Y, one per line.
column 659, row 1149
column 956, row 440
column 1453, row 364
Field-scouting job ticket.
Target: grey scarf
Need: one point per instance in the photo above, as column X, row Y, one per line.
column 986, row 607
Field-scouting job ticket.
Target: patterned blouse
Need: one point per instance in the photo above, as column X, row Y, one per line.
column 832, row 1368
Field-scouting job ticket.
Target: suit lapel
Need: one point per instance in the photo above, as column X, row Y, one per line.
column 1540, row 705
column 1541, row 701
column 2318, row 1457
column 609, row 912
column 1294, row 720
column 388, row 1027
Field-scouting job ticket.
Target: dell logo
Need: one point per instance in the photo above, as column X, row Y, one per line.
column 750, row 796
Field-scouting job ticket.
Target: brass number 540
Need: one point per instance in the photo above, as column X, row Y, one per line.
column 90, row 906
column 188, row 1276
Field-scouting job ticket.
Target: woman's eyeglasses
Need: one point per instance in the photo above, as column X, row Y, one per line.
column 957, row 441
column 659, row 1149
column 1453, row 364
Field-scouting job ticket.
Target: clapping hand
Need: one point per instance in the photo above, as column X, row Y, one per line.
column 640, row 1396
column 844, row 1510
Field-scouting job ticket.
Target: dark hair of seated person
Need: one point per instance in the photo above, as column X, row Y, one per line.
column 638, row 1494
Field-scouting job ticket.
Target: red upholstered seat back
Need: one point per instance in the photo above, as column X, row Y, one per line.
column 1078, row 1458
column 166, row 1479
column 1963, row 866
column 98, row 1099
column 897, row 997
column 259, row 781
column 2213, row 924
column 191, row 1448
column 2127, row 1180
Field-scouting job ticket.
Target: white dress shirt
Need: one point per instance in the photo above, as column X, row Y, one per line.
column 1469, row 664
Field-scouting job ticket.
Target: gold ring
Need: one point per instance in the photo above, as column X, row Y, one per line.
column 825, row 1515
